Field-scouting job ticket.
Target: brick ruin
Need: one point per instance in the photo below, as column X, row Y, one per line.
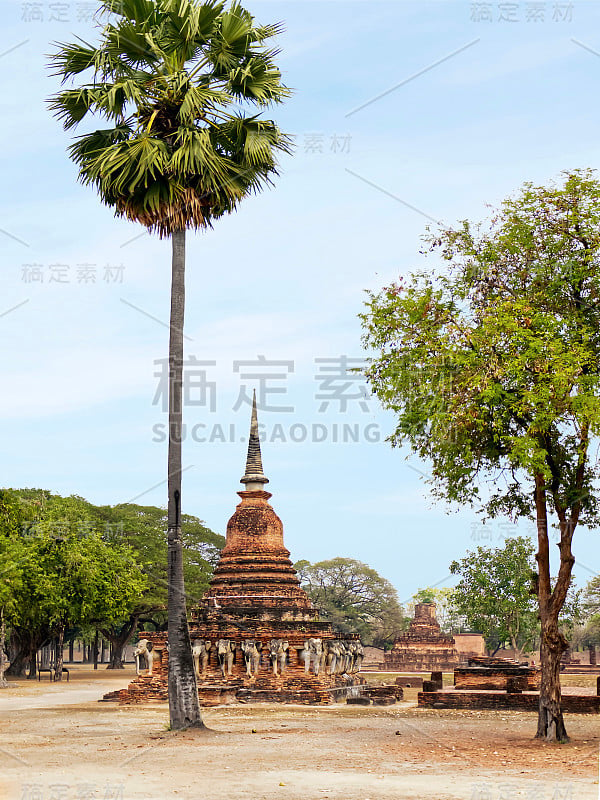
column 256, row 636
column 499, row 683
column 423, row 648
column 497, row 673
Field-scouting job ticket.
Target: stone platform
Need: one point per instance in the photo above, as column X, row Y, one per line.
column 523, row 701
column 479, row 678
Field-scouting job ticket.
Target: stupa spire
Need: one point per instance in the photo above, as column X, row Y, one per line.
column 254, row 478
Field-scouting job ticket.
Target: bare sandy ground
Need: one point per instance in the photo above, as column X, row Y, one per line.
column 58, row 743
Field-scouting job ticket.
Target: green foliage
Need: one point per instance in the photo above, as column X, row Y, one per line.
column 68, row 575
column 12, row 553
column 424, row 596
column 590, row 635
column 494, row 592
column 591, row 597
column 143, row 528
column 493, row 369
column 180, row 83
column 354, row 598
column 98, row 565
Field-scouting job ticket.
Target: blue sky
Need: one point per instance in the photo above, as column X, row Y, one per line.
column 454, row 112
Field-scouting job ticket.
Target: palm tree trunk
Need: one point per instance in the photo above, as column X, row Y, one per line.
column 184, row 708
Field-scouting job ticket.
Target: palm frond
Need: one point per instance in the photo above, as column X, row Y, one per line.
column 72, row 59
column 258, row 80
column 166, row 73
column 197, row 102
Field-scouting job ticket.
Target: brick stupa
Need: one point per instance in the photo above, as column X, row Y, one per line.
column 256, row 635
column 423, row 647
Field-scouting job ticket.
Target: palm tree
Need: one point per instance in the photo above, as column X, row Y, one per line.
column 181, row 84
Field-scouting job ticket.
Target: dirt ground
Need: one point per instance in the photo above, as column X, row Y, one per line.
column 58, row 743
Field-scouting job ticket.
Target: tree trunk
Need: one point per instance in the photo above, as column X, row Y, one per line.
column 551, row 724
column 3, row 681
column 118, row 641
column 24, row 647
column 32, row 661
column 116, row 655
column 58, row 657
column 18, row 656
column 102, row 650
column 184, row 708
column 71, row 643
column 96, row 650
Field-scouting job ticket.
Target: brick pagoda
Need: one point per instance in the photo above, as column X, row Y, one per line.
column 255, row 634
column 423, row 647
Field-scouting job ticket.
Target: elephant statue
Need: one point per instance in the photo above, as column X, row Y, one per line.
column 225, row 648
column 323, row 663
column 200, row 654
column 313, row 649
column 334, row 653
column 278, row 654
column 146, row 650
column 251, row 650
column 344, row 658
column 358, row 652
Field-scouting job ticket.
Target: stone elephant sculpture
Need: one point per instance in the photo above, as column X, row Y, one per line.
column 344, row 658
column 334, row 655
column 278, row 654
column 358, row 652
column 324, row 653
column 200, row 654
column 251, row 650
column 146, row 650
column 225, row 650
column 313, row 649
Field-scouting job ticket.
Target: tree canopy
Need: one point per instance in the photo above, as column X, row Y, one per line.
column 492, row 368
column 182, row 85
column 494, row 593
column 69, row 562
column 590, row 635
column 354, row 598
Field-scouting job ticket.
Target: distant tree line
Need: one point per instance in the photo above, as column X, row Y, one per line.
column 70, row 568
column 73, row 570
column 354, row 598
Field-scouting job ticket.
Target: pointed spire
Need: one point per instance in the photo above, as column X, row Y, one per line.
column 254, row 477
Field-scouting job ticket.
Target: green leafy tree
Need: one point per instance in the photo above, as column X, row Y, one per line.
column 354, row 598
column 590, row 608
column 493, row 371
column 139, row 528
column 494, row 593
column 591, row 597
column 11, row 568
column 179, row 83
column 70, row 576
column 142, row 528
